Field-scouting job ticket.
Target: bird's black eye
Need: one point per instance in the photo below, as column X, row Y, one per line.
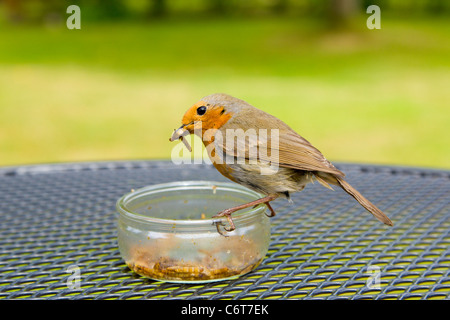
column 201, row 110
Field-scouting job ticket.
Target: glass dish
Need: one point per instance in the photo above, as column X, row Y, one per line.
column 166, row 231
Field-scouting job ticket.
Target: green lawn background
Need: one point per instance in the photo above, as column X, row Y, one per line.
column 116, row 91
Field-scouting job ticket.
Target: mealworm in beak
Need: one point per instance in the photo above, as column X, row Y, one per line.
column 188, row 146
column 179, row 134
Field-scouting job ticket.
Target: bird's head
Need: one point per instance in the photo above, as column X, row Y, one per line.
column 210, row 113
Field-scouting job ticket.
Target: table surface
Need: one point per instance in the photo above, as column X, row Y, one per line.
column 323, row 246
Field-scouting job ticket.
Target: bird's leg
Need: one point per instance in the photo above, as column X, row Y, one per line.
column 227, row 212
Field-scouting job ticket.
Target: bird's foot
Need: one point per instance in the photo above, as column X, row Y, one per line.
column 272, row 212
column 225, row 213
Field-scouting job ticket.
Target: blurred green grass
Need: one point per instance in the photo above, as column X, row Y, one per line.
column 116, row 91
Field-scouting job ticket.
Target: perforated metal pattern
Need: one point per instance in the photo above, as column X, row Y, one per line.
column 324, row 246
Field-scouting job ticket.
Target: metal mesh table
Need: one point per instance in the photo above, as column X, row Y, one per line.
column 324, row 246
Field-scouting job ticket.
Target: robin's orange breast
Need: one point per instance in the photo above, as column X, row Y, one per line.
column 217, row 162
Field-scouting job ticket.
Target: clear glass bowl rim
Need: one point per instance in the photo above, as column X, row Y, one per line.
column 241, row 216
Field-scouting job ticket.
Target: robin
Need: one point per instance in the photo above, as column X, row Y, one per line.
column 274, row 165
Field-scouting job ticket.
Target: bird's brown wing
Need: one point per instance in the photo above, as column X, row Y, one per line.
column 287, row 149
column 297, row 153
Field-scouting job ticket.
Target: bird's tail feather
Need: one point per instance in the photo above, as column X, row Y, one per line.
column 326, row 178
column 377, row 213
